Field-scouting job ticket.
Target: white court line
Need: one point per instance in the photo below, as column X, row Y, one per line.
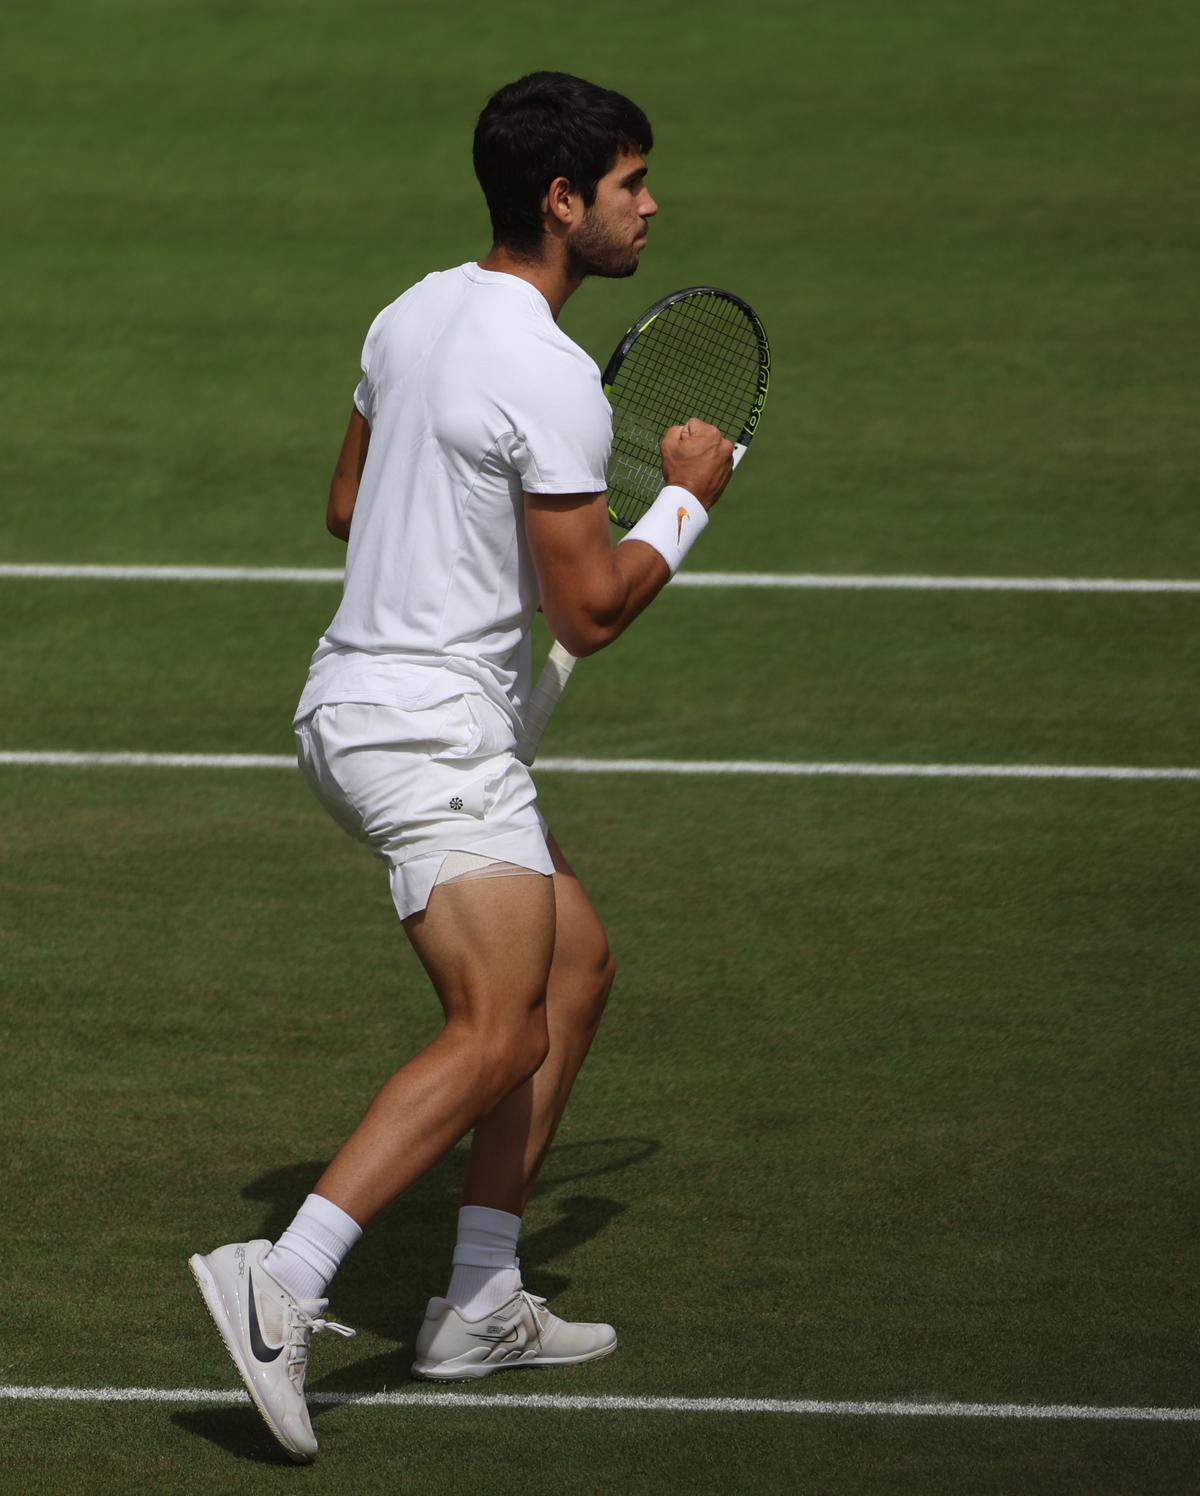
column 558, row 1402
column 854, row 770
column 55, row 760
column 68, row 760
column 55, row 573
column 833, row 581
column 813, row 581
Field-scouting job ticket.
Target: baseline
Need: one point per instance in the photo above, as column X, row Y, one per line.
column 69, row 760
column 815, row 581
column 559, row 1402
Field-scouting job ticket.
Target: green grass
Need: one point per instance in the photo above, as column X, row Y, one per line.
column 897, row 1094
column 992, row 678
column 972, row 235
column 933, row 1159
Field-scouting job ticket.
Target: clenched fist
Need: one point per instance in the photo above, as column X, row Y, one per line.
column 698, row 458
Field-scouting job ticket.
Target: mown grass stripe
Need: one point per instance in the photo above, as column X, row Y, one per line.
column 733, row 766
column 558, row 1402
column 815, row 581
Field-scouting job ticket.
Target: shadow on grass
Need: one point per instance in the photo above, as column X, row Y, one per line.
column 404, row 1258
column 238, row 1431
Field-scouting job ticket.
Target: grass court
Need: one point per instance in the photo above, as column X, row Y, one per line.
column 896, row 1100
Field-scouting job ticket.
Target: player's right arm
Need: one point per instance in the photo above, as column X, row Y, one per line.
column 347, row 475
column 591, row 590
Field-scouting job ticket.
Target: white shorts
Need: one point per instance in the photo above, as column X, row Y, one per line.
column 417, row 784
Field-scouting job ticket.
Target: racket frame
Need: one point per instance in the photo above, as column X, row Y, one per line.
column 651, row 314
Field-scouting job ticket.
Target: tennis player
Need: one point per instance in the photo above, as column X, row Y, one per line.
column 470, row 487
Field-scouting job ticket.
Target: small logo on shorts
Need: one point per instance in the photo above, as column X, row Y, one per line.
column 455, row 803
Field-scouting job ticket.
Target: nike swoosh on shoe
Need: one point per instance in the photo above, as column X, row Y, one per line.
column 509, row 1339
column 262, row 1351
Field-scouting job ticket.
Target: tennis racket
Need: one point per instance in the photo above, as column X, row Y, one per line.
column 699, row 352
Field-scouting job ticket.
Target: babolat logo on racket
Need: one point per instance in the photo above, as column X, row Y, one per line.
column 764, row 379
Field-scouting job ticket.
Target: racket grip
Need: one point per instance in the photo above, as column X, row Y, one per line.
column 551, row 683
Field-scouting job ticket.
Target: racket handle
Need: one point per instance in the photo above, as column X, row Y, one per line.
column 551, row 683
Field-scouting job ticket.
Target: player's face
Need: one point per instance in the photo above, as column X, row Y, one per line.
column 612, row 232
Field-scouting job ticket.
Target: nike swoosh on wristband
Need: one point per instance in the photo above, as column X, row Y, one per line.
column 681, row 514
column 258, row 1345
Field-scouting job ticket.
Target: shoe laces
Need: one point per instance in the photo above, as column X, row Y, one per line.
column 302, row 1326
column 538, row 1312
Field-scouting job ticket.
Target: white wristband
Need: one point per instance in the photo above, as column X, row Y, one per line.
column 671, row 525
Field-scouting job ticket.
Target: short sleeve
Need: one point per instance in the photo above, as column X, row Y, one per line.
column 362, row 397
column 564, row 432
column 365, row 393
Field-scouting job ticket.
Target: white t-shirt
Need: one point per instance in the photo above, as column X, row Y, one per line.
column 473, row 394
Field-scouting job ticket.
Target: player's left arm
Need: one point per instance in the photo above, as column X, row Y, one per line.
column 347, row 475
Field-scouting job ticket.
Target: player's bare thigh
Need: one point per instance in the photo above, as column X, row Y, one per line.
column 487, row 945
column 484, row 940
column 496, row 948
column 583, row 966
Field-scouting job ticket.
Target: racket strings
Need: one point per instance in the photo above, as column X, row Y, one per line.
column 700, row 357
column 701, row 352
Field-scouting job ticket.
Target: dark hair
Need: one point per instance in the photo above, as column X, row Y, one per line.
column 543, row 126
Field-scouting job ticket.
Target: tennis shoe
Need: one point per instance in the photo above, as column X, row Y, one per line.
column 522, row 1333
column 266, row 1330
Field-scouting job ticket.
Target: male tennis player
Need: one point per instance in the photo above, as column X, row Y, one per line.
column 470, row 486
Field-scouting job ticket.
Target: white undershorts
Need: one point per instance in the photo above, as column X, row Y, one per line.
column 415, row 785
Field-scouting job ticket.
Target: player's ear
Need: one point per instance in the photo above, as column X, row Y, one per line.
column 559, row 201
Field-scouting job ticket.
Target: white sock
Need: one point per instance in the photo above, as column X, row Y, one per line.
column 486, row 1270
column 310, row 1251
